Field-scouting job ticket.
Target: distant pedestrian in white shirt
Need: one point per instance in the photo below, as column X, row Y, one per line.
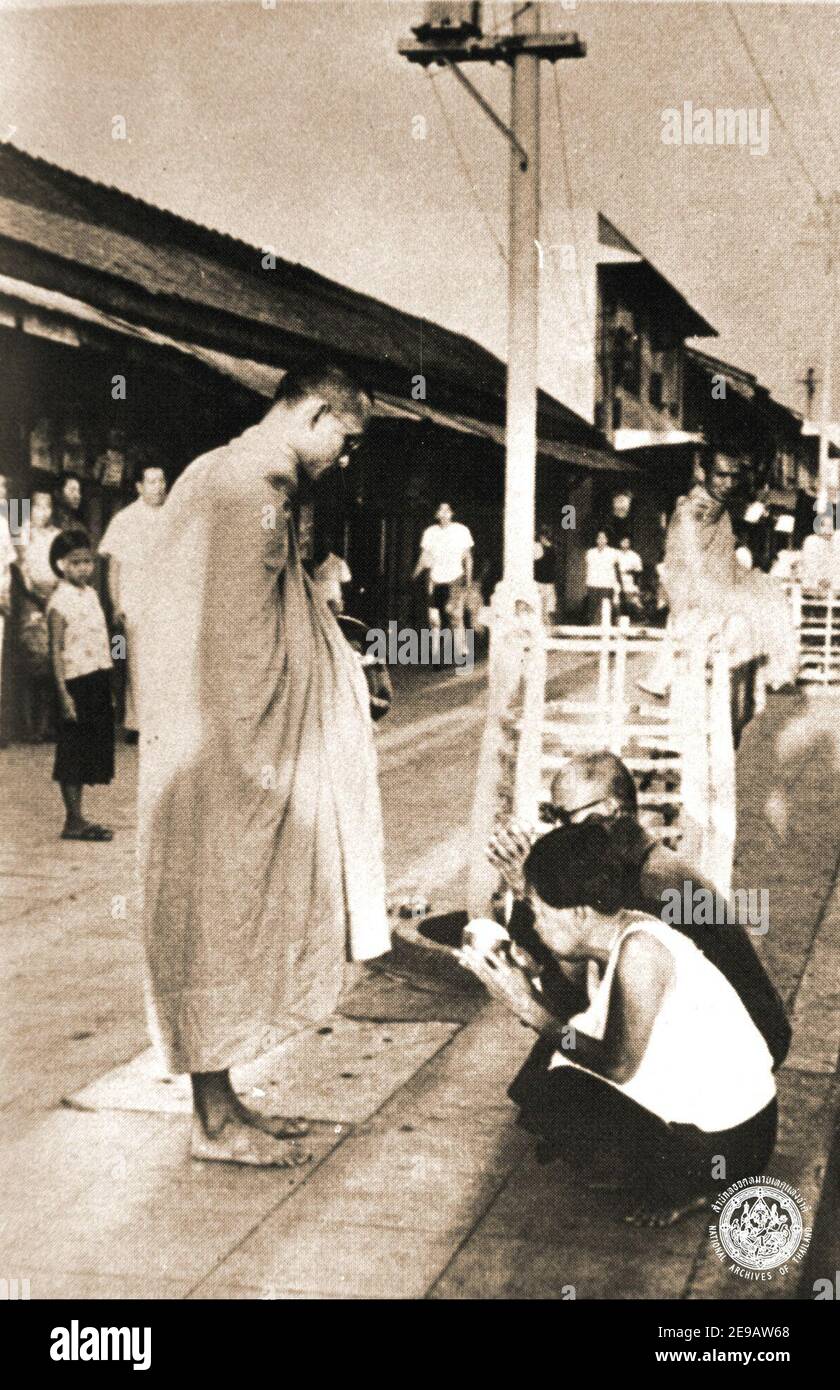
column 446, row 555
column 602, row 581
column 129, row 543
column 629, row 568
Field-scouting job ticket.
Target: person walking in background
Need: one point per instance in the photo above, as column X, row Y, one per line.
column 602, row 577
column 129, row 545
column 815, row 560
column 545, row 574
column 81, row 662
column 37, row 582
column 629, row 571
column 446, row 556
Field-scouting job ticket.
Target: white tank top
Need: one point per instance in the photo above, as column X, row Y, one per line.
column 706, row 1064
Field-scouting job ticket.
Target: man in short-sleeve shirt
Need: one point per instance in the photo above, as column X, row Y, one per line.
column 446, row 554
column 601, row 577
column 129, row 543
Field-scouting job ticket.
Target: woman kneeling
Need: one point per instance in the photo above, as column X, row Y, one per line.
column 664, row 1074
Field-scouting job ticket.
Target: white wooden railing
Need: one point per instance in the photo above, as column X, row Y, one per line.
column 816, row 617
column 679, row 748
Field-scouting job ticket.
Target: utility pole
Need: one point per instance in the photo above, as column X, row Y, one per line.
column 809, row 381
column 523, row 316
column 516, row 679
column 826, row 477
column 452, row 36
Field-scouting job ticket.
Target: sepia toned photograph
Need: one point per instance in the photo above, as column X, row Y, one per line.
column 420, row 666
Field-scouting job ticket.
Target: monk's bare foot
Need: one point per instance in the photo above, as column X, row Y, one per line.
column 278, row 1126
column 659, row 1216
column 235, row 1142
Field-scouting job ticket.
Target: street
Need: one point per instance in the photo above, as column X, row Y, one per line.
column 421, row 1184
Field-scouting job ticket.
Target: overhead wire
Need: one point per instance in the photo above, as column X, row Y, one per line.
column 812, row 90
column 765, row 86
column 703, row 11
column 466, row 171
column 567, row 182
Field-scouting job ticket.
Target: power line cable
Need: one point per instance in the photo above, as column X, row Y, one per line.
column 812, row 90
column 465, row 170
column 765, row 86
column 567, row 180
column 703, row 11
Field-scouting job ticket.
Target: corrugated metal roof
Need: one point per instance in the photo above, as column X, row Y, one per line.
column 54, row 222
column 63, row 314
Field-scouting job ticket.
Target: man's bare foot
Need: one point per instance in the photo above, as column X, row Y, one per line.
column 667, row 1214
column 244, row 1144
column 278, row 1126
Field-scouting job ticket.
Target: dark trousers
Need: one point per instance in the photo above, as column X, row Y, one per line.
column 595, row 1128
column 594, row 599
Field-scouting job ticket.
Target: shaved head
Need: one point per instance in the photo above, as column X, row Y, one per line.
column 594, row 777
column 327, row 382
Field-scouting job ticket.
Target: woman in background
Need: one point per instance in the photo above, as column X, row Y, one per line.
column 37, row 582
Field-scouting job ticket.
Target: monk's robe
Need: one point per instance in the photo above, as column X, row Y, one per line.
column 260, row 830
column 709, row 590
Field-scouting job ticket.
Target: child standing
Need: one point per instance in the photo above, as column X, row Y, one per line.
column 81, row 663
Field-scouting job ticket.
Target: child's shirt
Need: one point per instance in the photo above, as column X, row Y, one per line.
column 86, row 647
column 329, row 577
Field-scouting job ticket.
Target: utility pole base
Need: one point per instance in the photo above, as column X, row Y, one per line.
column 512, row 732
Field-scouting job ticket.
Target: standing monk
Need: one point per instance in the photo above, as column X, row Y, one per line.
column 710, row 594
column 260, row 826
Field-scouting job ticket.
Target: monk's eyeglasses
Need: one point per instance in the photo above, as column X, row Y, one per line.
column 558, row 815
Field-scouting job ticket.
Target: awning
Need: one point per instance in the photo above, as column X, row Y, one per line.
column 50, row 313
column 654, row 439
column 812, row 427
column 742, row 383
